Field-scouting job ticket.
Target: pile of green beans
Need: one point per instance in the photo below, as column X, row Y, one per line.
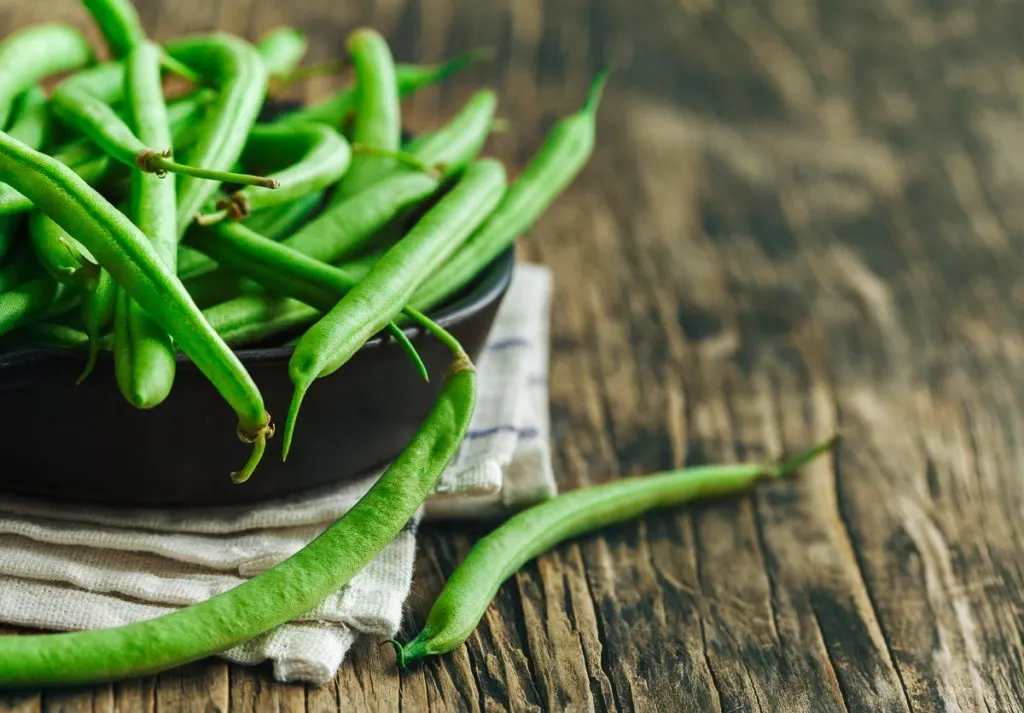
column 319, row 229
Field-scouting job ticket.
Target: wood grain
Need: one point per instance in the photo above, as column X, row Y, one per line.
column 803, row 215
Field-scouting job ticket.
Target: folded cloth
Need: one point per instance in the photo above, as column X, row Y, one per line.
column 72, row 567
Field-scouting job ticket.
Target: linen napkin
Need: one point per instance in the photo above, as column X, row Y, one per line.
column 73, row 568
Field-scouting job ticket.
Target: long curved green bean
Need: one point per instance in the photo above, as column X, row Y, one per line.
column 121, row 27
column 34, row 53
column 236, row 70
column 315, row 157
column 382, row 295
column 122, row 250
column 529, row 533
column 378, row 120
column 144, row 356
column 251, row 318
column 565, row 151
column 282, row 50
column 30, row 126
column 271, row 598
column 410, row 78
column 26, row 301
column 278, row 221
column 455, row 145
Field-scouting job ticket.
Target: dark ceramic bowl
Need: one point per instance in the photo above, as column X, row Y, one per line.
column 86, row 444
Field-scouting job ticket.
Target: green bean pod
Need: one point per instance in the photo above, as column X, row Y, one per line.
column 48, row 334
column 251, row 318
column 282, row 49
column 19, row 266
column 318, row 157
column 455, row 145
column 342, row 230
column 271, row 598
column 144, row 356
column 122, row 250
column 236, row 70
column 410, row 78
column 61, row 255
column 382, row 295
column 378, row 119
column 278, row 221
column 28, row 300
column 564, row 153
column 34, row 53
column 119, row 24
column 533, row 531
column 30, row 126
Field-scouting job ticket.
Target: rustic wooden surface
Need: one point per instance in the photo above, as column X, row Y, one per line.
column 803, row 215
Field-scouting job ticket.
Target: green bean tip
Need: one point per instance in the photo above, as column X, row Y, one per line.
column 596, row 91
column 788, row 466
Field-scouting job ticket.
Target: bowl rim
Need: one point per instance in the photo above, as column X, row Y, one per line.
column 485, row 287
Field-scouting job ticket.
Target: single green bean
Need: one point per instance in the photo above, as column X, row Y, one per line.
column 271, row 598
column 133, row 262
column 378, row 120
column 49, row 334
column 236, row 69
column 455, row 145
column 101, row 123
column 144, row 356
column 317, row 156
column 251, row 318
column 282, row 49
column 34, row 53
column 27, row 301
column 382, row 295
column 62, row 256
column 409, row 77
column 529, row 533
column 564, row 153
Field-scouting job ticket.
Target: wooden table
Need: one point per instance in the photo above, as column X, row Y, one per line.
column 801, row 216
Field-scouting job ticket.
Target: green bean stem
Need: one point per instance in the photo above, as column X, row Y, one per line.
column 144, row 356
column 320, row 156
column 380, row 297
column 236, row 69
column 34, row 53
column 378, row 121
column 98, row 308
column 271, row 598
column 121, row 249
column 497, row 556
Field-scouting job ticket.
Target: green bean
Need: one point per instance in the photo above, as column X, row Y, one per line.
column 144, row 357
column 27, row 301
column 531, row 532
column 99, row 121
column 236, row 69
column 34, row 53
column 381, row 296
column 342, row 230
column 61, row 255
column 378, row 120
column 566, row 150
column 409, row 78
column 271, row 598
column 133, row 262
column 318, row 157
column 48, row 334
column 286, row 271
column 282, row 49
column 251, row 318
